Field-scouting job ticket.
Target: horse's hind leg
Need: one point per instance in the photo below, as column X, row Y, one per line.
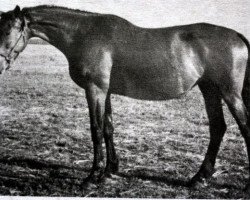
column 212, row 97
column 239, row 111
column 112, row 160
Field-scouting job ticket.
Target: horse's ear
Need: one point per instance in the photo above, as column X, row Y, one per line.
column 17, row 11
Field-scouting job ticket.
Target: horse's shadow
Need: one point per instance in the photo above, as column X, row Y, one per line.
column 144, row 174
column 75, row 175
column 154, row 177
column 35, row 171
column 35, row 163
column 55, row 170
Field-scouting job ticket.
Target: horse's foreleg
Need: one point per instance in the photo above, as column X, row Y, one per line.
column 112, row 160
column 212, row 98
column 96, row 98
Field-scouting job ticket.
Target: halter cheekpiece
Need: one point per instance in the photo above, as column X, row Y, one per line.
column 9, row 58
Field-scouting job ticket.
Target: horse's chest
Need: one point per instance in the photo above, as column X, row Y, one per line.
column 94, row 69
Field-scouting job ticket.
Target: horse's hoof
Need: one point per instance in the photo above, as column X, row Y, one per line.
column 96, row 176
column 197, row 181
column 115, row 167
column 191, row 183
column 112, row 168
column 247, row 189
column 201, row 177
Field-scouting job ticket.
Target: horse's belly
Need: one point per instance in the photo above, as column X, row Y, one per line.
column 149, row 85
column 157, row 91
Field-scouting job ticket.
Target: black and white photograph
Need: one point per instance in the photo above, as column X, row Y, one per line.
column 125, row 99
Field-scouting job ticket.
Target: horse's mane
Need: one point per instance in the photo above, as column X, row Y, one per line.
column 59, row 9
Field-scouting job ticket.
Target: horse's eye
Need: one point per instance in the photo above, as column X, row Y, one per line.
column 7, row 33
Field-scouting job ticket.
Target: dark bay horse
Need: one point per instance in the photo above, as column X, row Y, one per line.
column 109, row 55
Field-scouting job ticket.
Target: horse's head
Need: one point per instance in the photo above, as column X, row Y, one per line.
column 13, row 37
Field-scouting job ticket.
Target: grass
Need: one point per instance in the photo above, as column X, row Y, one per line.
column 46, row 149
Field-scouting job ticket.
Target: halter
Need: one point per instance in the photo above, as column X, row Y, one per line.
column 9, row 58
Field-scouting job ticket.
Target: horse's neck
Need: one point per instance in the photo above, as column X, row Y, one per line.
column 56, row 36
column 57, row 28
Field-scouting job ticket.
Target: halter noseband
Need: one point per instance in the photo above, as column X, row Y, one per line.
column 9, row 58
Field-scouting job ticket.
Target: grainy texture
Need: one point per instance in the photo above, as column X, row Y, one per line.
column 46, row 147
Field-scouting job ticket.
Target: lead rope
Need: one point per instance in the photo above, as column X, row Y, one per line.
column 13, row 49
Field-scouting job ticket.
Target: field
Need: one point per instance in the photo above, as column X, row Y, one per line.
column 46, row 148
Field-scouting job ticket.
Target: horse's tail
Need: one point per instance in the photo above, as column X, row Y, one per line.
column 246, row 86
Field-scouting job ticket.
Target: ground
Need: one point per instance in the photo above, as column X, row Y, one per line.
column 46, row 148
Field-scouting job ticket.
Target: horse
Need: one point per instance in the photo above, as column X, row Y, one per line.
column 109, row 55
